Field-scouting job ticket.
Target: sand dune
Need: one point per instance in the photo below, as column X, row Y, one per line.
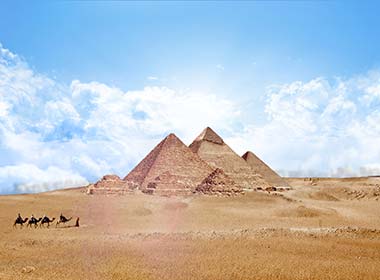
column 314, row 231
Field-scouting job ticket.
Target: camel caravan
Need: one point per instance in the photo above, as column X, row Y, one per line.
column 41, row 222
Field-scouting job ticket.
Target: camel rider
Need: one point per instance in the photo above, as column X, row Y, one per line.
column 19, row 216
column 32, row 217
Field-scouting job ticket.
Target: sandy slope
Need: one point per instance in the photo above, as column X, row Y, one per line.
column 325, row 229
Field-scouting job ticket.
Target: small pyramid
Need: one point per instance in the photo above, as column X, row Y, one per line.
column 218, row 183
column 264, row 170
column 211, row 148
column 110, row 184
column 170, row 168
column 109, row 181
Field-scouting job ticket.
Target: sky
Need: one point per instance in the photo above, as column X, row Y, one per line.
column 89, row 88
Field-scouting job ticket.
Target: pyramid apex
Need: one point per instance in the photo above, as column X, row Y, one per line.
column 210, row 135
column 247, row 154
column 172, row 137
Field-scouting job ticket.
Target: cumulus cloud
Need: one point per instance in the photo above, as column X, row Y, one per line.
column 320, row 128
column 152, row 78
column 26, row 178
column 3, row 109
column 54, row 135
column 82, row 131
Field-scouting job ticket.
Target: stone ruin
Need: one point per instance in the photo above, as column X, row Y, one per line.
column 110, row 184
column 168, row 184
column 218, row 183
column 208, row 166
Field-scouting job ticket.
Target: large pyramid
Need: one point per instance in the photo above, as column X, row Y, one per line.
column 170, row 168
column 211, row 148
column 264, row 170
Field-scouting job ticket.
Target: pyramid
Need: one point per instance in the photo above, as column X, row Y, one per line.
column 109, row 181
column 264, row 170
column 110, row 184
column 170, row 168
column 218, row 183
column 211, row 148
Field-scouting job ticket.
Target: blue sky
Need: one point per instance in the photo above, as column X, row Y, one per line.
column 257, row 43
column 288, row 80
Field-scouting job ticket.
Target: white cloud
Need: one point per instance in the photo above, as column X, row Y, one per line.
column 152, row 112
column 319, row 128
column 29, row 178
column 54, row 135
column 152, row 78
column 3, row 109
column 370, row 169
column 89, row 129
column 220, row 67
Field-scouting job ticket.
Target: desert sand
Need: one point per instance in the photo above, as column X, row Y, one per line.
column 321, row 229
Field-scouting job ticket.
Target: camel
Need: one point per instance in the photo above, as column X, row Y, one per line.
column 63, row 220
column 33, row 221
column 20, row 221
column 46, row 220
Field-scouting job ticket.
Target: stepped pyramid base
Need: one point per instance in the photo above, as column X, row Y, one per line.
column 109, row 191
column 168, row 192
column 218, row 183
column 111, row 184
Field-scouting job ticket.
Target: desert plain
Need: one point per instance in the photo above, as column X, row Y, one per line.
column 320, row 229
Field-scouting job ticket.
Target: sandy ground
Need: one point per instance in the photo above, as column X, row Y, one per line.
column 321, row 229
